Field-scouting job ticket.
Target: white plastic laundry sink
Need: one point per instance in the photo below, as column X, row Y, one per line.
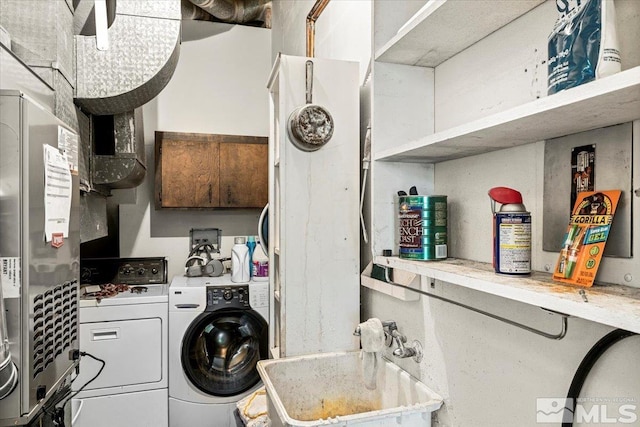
column 328, row 389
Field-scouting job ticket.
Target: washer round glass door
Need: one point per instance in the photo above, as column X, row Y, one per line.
column 221, row 349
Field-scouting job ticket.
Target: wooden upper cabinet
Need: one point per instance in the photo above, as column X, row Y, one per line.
column 244, row 175
column 189, row 173
column 199, row 171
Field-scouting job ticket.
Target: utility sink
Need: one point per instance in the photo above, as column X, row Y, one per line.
column 328, row 389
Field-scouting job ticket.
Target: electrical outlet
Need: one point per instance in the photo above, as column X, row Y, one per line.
column 211, row 236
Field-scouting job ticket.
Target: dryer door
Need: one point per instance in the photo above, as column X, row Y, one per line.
column 220, row 351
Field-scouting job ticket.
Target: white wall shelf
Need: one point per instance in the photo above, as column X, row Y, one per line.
column 609, row 101
column 613, row 305
column 395, row 291
column 386, row 288
column 433, row 35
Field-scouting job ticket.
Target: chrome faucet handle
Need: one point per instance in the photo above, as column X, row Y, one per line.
column 390, row 330
column 389, row 324
column 357, row 331
column 415, row 351
column 403, row 352
column 399, row 337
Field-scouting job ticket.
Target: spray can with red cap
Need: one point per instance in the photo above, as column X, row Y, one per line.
column 511, row 232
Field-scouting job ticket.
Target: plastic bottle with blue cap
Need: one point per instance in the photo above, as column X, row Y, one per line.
column 251, row 245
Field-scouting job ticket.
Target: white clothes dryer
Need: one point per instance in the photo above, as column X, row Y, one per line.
column 218, row 331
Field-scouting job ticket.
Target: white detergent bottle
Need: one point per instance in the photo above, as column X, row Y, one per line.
column 240, row 261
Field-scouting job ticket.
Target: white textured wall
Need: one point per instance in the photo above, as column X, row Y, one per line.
column 219, row 86
column 342, row 31
column 489, row 373
column 316, row 195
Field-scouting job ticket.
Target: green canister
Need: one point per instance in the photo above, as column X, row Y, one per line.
column 423, row 227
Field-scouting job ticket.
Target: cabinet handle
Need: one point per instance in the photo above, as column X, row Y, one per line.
column 104, row 334
column 229, row 195
column 209, row 193
column 187, row 305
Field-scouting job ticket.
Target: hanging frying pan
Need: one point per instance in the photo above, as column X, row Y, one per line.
column 310, row 126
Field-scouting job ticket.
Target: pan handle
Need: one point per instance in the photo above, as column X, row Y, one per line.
column 309, row 81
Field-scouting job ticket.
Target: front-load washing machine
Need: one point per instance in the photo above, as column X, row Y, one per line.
column 218, row 331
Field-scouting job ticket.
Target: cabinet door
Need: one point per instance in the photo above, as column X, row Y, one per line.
column 187, row 171
column 244, row 175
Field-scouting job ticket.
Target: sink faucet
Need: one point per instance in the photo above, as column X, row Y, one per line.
column 391, row 334
column 402, row 351
column 387, row 325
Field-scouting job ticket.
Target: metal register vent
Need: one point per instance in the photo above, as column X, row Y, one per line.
column 55, row 324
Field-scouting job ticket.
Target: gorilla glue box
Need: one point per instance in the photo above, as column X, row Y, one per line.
column 586, row 237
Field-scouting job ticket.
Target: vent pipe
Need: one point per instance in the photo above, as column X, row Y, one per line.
column 119, row 159
column 142, row 54
column 237, row 11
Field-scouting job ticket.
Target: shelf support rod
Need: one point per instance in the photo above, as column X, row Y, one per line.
column 558, row 336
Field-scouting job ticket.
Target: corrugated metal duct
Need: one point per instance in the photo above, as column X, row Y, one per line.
column 249, row 12
column 142, row 54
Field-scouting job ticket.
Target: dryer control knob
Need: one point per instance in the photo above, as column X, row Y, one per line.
column 227, row 295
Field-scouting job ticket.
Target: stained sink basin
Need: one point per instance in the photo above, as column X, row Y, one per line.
column 328, row 389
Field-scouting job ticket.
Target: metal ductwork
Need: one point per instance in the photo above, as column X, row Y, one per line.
column 142, row 54
column 249, row 12
column 123, row 163
column 192, row 12
column 42, row 38
column 126, row 53
column 84, row 19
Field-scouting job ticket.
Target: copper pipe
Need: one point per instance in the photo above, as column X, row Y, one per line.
column 312, row 17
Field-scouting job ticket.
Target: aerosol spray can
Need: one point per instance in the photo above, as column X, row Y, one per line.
column 511, row 232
